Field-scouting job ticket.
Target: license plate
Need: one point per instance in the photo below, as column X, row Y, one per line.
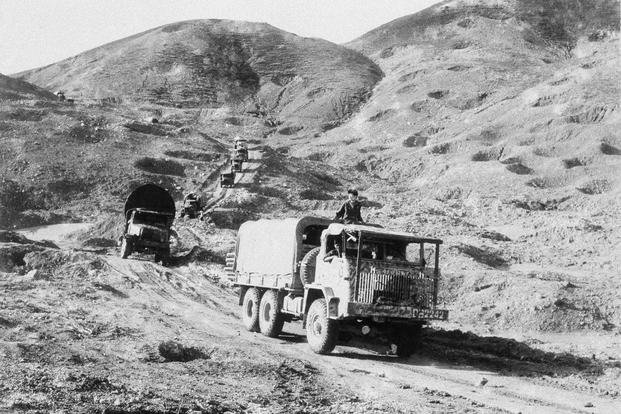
column 429, row 313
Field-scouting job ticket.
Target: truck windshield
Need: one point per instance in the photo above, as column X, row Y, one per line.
column 389, row 250
column 151, row 218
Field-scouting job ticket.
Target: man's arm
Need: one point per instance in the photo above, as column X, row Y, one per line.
column 340, row 213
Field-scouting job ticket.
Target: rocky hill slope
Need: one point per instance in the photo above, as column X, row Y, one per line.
column 13, row 89
column 487, row 130
column 502, row 138
column 253, row 67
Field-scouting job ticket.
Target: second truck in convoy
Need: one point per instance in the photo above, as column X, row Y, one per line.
column 343, row 281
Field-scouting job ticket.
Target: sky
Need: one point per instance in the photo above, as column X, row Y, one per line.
column 35, row 33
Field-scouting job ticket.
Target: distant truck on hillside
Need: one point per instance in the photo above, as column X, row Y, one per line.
column 343, row 281
column 149, row 214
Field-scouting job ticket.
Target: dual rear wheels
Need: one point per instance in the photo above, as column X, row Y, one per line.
column 261, row 313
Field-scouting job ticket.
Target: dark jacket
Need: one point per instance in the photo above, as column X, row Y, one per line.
column 349, row 212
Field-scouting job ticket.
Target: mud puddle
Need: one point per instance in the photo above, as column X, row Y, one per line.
column 58, row 233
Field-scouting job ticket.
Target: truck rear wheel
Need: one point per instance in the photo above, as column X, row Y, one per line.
column 250, row 309
column 126, row 248
column 271, row 319
column 307, row 266
column 321, row 331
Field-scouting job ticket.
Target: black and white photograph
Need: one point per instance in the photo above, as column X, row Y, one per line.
column 310, row 206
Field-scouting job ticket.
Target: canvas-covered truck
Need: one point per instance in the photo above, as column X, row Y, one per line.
column 343, row 281
column 149, row 214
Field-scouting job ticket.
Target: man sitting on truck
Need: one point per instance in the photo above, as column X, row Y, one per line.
column 349, row 212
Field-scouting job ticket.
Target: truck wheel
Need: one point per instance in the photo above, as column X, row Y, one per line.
column 321, row 331
column 250, row 309
column 408, row 341
column 307, row 266
column 126, row 248
column 271, row 319
column 164, row 256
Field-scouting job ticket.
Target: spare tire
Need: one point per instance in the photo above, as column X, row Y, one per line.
column 307, row 266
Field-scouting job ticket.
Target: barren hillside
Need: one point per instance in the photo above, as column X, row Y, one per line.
column 13, row 89
column 253, row 67
column 502, row 139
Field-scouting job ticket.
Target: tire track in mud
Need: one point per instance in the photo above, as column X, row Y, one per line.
column 385, row 378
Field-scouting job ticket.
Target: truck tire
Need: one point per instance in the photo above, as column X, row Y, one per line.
column 307, row 266
column 163, row 256
column 271, row 319
column 126, row 248
column 250, row 309
column 408, row 340
column 321, row 331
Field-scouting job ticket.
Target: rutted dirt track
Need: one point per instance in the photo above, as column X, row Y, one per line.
column 117, row 312
column 413, row 382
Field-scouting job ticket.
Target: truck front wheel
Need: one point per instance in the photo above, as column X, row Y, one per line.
column 321, row 331
column 250, row 309
column 407, row 340
column 270, row 318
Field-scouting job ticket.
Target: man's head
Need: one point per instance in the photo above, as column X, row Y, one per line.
column 352, row 194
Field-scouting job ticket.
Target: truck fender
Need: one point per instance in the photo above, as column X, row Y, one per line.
column 312, row 292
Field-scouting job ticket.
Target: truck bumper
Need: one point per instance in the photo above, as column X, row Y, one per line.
column 139, row 243
column 396, row 311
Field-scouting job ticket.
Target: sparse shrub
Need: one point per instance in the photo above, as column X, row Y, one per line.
column 160, row 166
column 194, row 156
column 381, row 115
column 596, row 187
column 608, row 149
column 452, row 193
column 460, row 44
column 440, row 149
column 574, row 162
column 437, row 94
column 487, row 154
column 14, row 195
column 318, row 156
column 232, row 120
column 351, row 141
column 152, row 129
column 418, row 106
column 511, row 160
column 465, row 23
column 372, row 148
column 325, row 178
column 546, row 182
column 290, row 130
column 311, row 194
column 269, row 192
column 175, row 351
column 519, row 169
column 545, row 151
column 416, row 140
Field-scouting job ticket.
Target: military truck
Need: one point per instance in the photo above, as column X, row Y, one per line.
column 149, row 214
column 192, row 205
column 343, row 281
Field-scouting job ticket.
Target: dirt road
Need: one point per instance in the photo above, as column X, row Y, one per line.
column 517, row 385
column 99, row 352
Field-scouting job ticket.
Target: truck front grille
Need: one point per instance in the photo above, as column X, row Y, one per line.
column 394, row 286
